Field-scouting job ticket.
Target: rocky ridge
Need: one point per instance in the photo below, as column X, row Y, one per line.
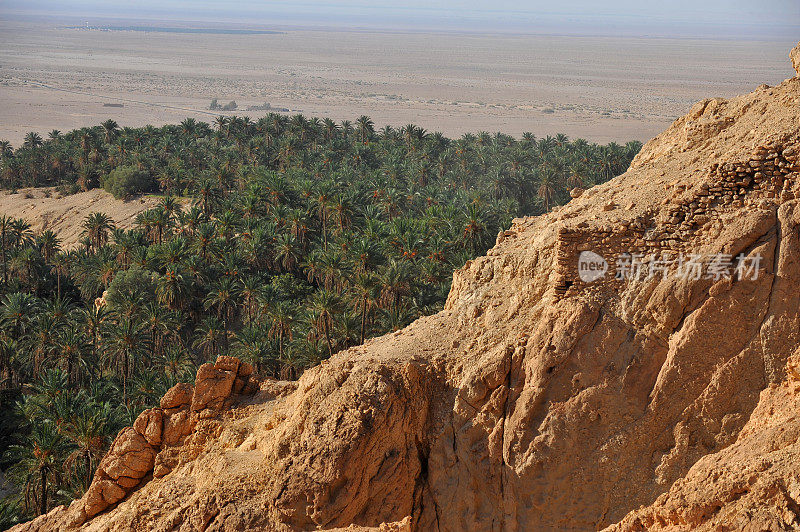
column 534, row 400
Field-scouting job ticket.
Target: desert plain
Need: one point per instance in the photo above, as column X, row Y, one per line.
column 56, row 76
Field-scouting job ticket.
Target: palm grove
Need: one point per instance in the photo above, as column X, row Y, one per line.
column 280, row 241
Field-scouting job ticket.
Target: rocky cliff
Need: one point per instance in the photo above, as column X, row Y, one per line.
column 650, row 394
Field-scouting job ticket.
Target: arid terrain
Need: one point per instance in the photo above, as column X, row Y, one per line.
column 47, row 209
column 534, row 400
column 599, row 88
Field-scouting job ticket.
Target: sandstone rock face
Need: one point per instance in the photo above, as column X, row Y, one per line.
column 177, row 396
column 159, row 440
column 535, row 400
column 212, row 386
column 130, row 456
column 752, row 485
column 794, row 55
column 150, row 425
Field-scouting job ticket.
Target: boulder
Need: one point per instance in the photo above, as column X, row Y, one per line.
column 213, row 385
column 177, row 396
column 100, row 495
column 176, row 427
column 226, row 363
column 245, row 369
column 93, row 498
column 130, row 456
column 149, row 424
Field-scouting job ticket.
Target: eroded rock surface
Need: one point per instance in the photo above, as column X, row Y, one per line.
column 156, row 442
column 534, row 400
column 752, row 485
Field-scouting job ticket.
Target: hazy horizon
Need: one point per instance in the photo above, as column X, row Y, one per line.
column 771, row 19
column 576, row 67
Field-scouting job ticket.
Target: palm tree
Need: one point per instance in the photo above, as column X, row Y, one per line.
column 125, row 343
column 110, row 130
column 42, row 341
column 175, row 362
column 160, row 222
column 171, row 289
column 329, row 129
column 365, row 128
column 88, row 431
column 8, row 349
column 224, row 298
column 324, row 306
column 20, row 233
column 6, row 150
column 73, row 350
column 126, row 243
column 36, row 465
column 48, row 244
column 208, row 337
column 207, row 189
column 475, row 228
column 16, row 312
column 60, row 266
column 190, row 220
column 281, row 319
column 250, row 289
column 97, row 226
column 10, row 512
column 393, row 284
column 347, row 129
column 147, row 388
column 254, row 346
column 365, row 289
column 5, row 230
column 323, row 201
column 546, row 190
column 363, row 255
column 161, row 324
column 94, row 323
column 32, row 140
column 221, row 123
column 287, row 253
column 87, row 138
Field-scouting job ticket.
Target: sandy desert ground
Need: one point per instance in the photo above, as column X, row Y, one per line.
column 598, row 88
column 45, row 208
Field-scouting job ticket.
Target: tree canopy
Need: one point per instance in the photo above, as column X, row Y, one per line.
column 280, row 241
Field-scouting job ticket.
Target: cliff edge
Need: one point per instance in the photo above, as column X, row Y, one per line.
column 624, row 361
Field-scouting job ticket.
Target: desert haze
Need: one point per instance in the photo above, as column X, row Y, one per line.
column 601, row 88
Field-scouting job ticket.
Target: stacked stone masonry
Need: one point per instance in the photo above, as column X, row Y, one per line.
column 768, row 178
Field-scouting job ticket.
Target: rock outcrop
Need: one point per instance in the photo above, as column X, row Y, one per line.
column 752, row 485
column 539, row 398
column 157, row 442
